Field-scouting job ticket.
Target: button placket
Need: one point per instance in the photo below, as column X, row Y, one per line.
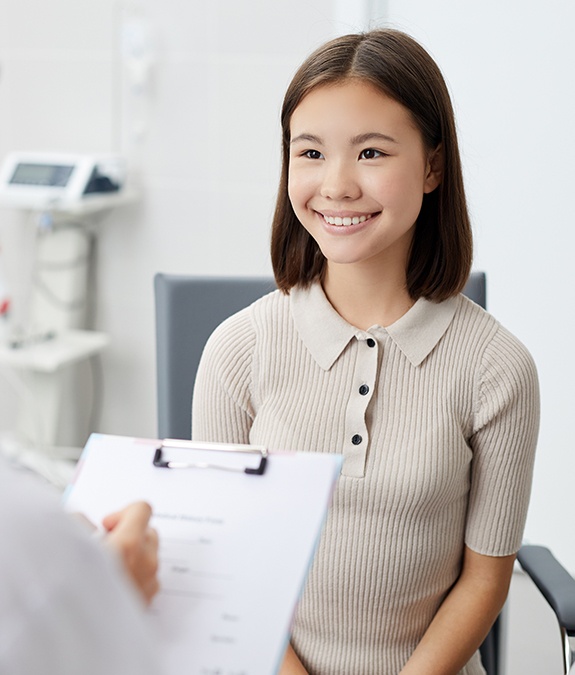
column 363, row 382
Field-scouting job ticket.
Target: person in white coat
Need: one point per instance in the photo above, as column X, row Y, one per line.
column 71, row 603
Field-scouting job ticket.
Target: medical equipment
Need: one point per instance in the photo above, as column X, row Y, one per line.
column 58, row 181
column 64, row 194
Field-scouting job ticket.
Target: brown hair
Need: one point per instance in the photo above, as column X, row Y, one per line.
column 441, row 252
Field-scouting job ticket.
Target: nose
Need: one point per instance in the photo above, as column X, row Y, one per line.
column 339, row 182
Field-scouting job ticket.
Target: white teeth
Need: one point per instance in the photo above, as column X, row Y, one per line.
column 345, row 222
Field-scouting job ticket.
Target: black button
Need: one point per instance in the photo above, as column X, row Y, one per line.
column 370, row 342
column 357, row 439
column 364, row 389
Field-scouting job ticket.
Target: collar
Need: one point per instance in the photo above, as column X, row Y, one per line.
column 326, row 334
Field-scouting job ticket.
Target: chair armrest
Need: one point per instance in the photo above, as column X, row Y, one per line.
column 553, row 581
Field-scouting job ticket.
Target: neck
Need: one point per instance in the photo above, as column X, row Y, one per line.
column 364, row 297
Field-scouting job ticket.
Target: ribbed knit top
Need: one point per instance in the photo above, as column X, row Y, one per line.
column 436, row 416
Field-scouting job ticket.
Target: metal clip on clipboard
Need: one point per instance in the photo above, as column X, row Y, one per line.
column 173, row 443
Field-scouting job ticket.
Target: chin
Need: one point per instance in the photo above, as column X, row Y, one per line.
column 343, row 257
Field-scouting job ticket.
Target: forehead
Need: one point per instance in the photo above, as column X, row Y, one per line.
column 355, row 105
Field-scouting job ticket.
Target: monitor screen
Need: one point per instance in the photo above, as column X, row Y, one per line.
column 51, row 175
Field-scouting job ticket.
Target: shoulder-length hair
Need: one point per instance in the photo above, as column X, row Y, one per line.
column 441, row 251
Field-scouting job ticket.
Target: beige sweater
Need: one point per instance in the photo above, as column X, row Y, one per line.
column 437, row 418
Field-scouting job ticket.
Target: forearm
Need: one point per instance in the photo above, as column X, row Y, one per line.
column 292, row 665
column 464, row 618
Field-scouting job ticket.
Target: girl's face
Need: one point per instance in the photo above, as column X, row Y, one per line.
column 358, row 171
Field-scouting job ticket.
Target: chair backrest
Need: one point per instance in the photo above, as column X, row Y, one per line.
column 188, row 308
column 476, row 288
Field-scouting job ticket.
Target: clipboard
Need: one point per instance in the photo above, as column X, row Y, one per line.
column 171, row 443
column 238, row 527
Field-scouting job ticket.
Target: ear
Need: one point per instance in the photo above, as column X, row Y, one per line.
column 434, row 169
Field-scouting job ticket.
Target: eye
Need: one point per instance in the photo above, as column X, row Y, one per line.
column 370, row 153
column 313, row 154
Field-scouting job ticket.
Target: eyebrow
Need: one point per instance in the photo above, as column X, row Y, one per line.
column 372, row 136
column 356, row 140
column 307, row 137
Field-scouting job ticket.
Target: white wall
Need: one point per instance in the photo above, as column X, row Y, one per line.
column 531, row 632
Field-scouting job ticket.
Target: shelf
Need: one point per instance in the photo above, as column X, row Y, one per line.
column 87, row 205
column 50, row 355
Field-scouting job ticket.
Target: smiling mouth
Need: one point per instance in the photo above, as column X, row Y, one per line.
column 345, row 221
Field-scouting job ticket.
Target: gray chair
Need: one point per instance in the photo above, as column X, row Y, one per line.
column 188, row 308
column 558, row 588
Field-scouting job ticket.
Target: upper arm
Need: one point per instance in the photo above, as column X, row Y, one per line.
column 222, row 406
column 503, row 444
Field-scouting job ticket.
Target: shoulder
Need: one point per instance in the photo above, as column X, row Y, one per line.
column 505, row 371
column 29, row 512
column 240, row 330
column 470, row 318
column 500, row 344
column 45, row 559
column 32, row 523
column 494, row 343
column 508, row 376
column 229, row 350
column 501, row 366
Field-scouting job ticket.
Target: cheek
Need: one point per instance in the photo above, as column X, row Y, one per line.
column 298, row 191
column 403, row 189
column 299, row 197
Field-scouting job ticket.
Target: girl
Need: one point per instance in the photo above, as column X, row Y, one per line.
column 368, row 349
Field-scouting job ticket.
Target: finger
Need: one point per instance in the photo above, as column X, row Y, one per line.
column 150, row 590
column 135, row 517
column 152, row 548
column 153, row 538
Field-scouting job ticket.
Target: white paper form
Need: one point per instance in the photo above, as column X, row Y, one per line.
column 234, row 548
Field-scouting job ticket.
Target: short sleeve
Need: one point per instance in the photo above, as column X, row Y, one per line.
column 222, row 409
column 503, row 444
